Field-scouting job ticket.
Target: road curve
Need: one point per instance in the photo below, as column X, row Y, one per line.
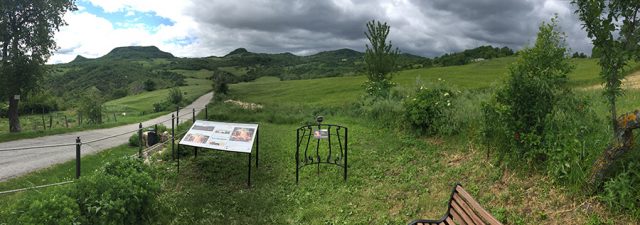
column 16, row 163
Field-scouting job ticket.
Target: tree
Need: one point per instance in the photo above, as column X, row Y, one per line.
column 380, row 59
column 613, row 27
column 26, row 36
column 91, row 105
column 149, row 85
column 537, row 80
column 175, row 96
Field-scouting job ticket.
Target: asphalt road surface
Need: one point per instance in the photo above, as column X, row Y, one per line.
column 20, row 162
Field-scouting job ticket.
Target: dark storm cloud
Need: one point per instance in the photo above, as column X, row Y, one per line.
column 428, row 28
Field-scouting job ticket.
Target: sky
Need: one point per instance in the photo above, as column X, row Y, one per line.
column 199, row 28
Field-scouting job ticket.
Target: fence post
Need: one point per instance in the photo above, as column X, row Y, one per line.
column 206, row 113
column 78, row 157
column 193, row 112
column 173, row 155
column 177, row 115
column 140, row 140
column 50, row 121
column 66, row 122
column 44, row 125
column 114, row 117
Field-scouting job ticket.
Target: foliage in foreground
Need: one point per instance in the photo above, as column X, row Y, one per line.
column 120, row 192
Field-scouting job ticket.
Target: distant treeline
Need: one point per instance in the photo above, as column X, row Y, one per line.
column 471, row 55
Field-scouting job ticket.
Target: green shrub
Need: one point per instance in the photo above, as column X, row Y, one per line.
column 518, row 114
column 175, row 96
column 90, row 105
column 134, row 140
column 384, row 111
column 428, row 109
column 121, row 192
column 622, row 192
column 48, row 208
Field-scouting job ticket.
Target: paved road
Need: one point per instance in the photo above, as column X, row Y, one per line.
column 16, row 163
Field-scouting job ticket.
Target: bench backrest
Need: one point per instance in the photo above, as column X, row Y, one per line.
column 466, row 210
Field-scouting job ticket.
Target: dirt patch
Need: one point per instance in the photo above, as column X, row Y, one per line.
column 244, row 105
column 632, row 81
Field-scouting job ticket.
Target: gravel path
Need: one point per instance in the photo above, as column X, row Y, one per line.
column 16, row 163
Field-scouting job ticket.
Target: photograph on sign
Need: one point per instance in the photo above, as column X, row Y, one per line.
column 196, row 138
column 242, row 134
column 321, row 134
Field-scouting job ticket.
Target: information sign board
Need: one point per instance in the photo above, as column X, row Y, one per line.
column 234, row 137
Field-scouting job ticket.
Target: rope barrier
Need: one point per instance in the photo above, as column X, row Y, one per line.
column 87, row 142
column 34, row 147
column 36, row 187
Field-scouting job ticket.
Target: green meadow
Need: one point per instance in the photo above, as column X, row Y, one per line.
column 395, row 175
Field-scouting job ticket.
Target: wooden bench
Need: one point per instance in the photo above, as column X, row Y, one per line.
column 463, row 209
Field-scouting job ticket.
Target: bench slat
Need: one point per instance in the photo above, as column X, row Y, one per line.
column 463, row 216
column 456, row 217
column 449, row 221
column 473, row 203
column 468, row 210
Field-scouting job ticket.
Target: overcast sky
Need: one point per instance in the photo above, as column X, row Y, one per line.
column 196, row 28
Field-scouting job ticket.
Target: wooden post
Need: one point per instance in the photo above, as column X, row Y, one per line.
column 78, row 157
column 193, row 111
column 140, row 140
column 177, row 116
column 50, row 121
column 114, row 117
column 206, row 113
column 173, row 155
column 66, row 122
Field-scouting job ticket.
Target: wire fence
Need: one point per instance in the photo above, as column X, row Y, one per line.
column 175, row 118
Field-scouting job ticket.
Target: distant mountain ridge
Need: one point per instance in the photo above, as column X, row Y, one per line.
column 131, row 53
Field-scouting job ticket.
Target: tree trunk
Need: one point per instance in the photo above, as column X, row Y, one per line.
column 614, row 118
column 14, row 120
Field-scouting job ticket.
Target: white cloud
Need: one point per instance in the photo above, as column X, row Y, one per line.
column 215, row 27
column 92, row 36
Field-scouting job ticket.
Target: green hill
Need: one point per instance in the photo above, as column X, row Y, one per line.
column 137, row 52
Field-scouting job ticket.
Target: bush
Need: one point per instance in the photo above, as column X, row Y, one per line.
column 134, row 140
column 49, row 208
column 428, row 110
column 621, row 192
column 91, row 105
column 121, row 192
column 517, row 116
column 175, row 96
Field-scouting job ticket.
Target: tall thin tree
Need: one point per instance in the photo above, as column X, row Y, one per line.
column 380, row 58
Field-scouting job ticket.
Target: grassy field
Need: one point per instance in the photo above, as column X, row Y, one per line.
column 144, row 101
column 338, row 91
column 395, row 176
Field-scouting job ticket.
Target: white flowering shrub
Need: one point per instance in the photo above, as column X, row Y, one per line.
column 429, row 109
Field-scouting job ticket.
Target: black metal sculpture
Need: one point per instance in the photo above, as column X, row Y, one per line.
column 337, row 149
